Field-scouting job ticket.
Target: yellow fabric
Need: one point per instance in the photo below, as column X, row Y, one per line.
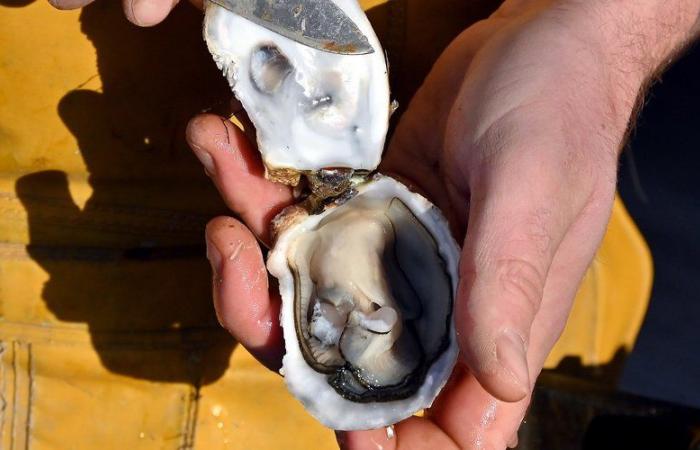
column 104, row 346
column 612, row 300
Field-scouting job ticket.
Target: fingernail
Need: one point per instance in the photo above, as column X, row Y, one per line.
column 511, row 355
column 147, row 13
column 140, row 10
column 206, row 160
column 214, row 257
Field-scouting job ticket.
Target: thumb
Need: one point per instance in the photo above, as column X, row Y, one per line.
column 520, row 212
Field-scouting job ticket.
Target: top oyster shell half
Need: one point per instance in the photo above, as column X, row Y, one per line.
column 311, row 109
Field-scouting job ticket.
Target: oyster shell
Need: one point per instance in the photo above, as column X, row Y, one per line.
column 367, row 269
column 367, row 290
column 311, row 109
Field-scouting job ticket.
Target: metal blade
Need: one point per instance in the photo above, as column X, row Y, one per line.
column 319, row 24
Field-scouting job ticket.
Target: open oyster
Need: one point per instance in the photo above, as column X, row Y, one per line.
column 367, row 269
column 367, row 290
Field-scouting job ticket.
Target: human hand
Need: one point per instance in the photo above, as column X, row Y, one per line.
column 145, row 13
column 516, row 133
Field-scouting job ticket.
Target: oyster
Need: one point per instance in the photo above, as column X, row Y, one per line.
column 367, row 269
column 367, row 290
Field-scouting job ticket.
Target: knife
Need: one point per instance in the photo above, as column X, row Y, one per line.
column 318, row 24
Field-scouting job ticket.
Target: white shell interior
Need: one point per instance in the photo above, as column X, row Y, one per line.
column 310, row 386
column 311, row 109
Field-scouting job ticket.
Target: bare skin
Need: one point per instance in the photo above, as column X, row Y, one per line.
column 144, row 13
column 516, row 132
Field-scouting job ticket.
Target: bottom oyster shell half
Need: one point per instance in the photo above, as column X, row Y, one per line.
column 367, row 290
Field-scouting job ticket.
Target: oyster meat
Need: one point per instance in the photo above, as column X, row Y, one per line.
column 367, row 269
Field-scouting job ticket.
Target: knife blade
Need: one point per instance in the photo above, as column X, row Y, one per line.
column 319, row 24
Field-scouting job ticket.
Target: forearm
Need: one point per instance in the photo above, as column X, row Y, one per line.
column 632, row 42
column 638, row 38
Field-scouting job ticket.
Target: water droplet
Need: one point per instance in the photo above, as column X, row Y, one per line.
column 393, row 107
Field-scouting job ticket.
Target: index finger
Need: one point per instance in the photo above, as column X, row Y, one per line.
column 238, row 173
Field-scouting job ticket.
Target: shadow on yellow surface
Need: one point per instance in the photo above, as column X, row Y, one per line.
column 131, row 269
column 147, row 309
column 15, row 3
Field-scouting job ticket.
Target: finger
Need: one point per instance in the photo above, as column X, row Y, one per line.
column 415, row 432
column 69, row 4
column 146, row 13
column 240, row 288
column 486, row 423
column 236, row 169
column 465, row 416
column 488, row 420
column 526, row 194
